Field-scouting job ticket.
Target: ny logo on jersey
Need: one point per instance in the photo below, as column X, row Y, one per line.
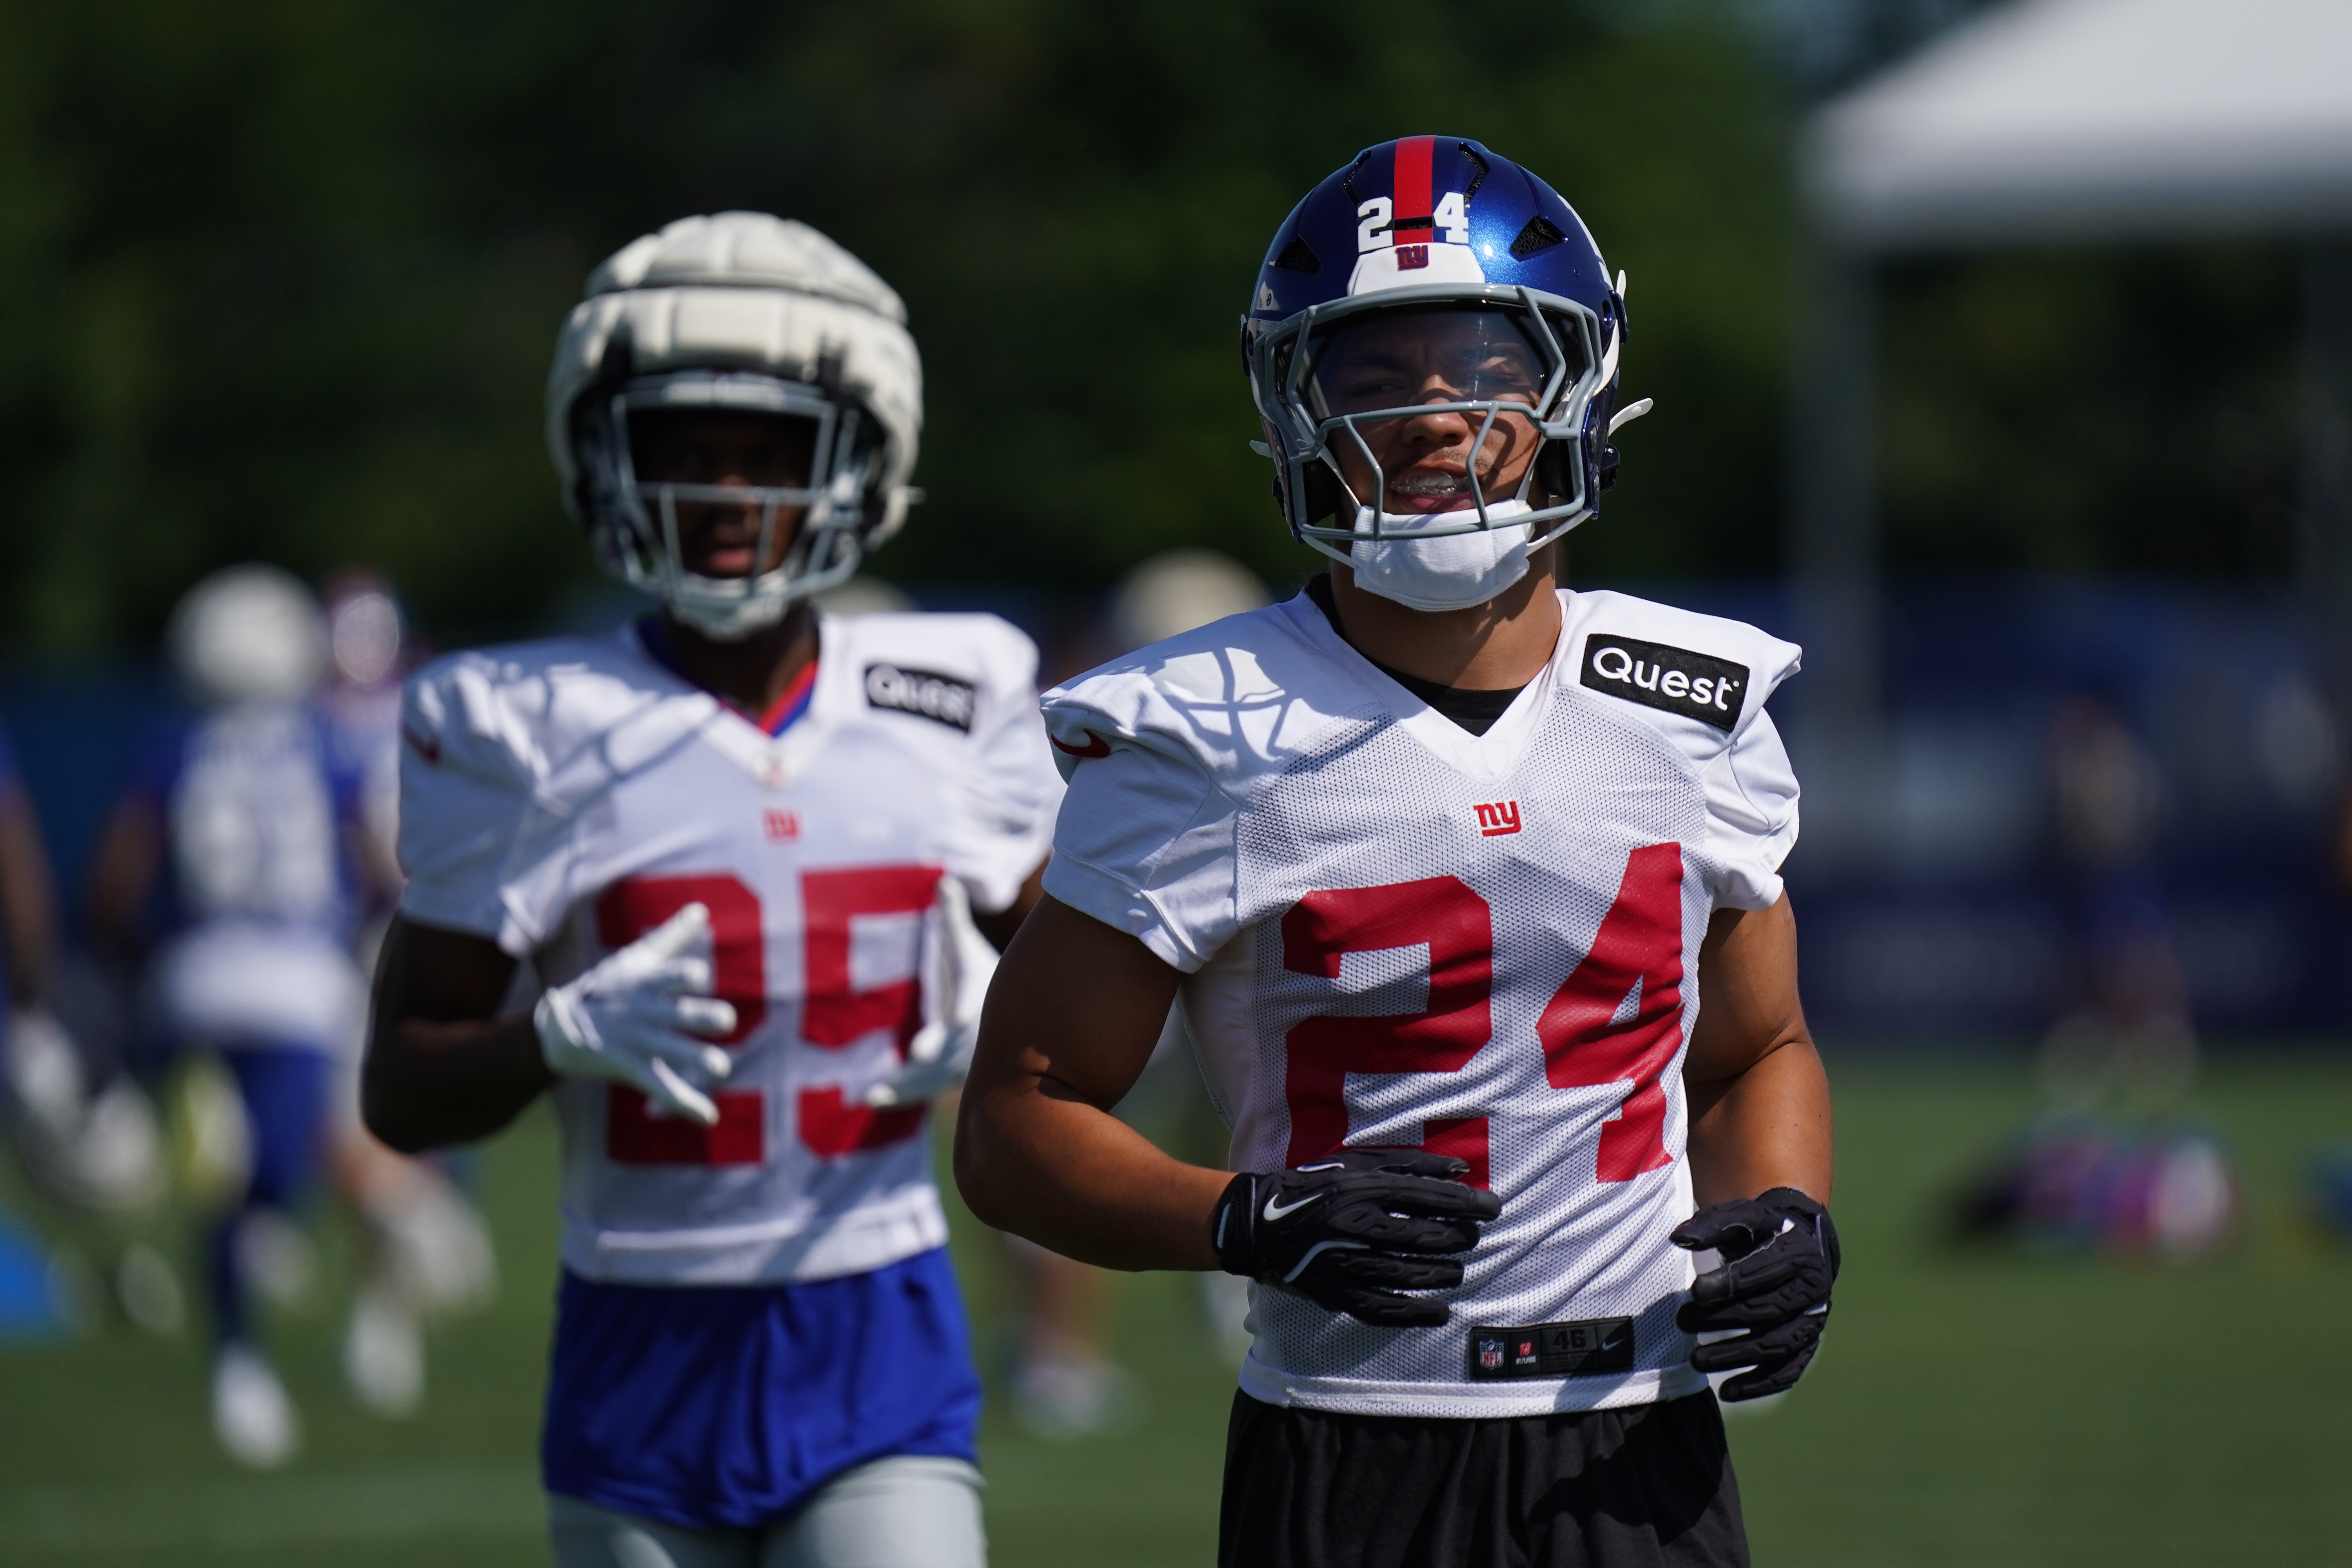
column 781, row 826
column 1499, row 817
column 1410, row 257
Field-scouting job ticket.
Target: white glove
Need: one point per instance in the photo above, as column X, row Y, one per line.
column 632, row 1018
column 960, row 964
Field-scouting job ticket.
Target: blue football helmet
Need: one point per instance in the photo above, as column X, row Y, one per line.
column 1434, row 223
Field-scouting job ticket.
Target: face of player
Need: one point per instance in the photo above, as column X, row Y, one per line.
column 1405, row 359
column 731, row 449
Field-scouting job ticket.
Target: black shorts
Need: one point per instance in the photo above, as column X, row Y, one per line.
column 1642, row 1486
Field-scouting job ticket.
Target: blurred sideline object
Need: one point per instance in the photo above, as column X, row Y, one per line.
column 2125, row 1028
column 2327, row 1186
column 2167, row 1192
column 83, row 1133
column 1178, row 590
column 33, row 1306
column 2050, row 122
column 2104, row 1167
column 1064, row 1385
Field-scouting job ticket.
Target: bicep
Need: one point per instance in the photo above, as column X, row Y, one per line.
column 1077, row 1006
column 1748, row 1005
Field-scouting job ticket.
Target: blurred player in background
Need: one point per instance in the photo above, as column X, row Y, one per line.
column 742, row 847
column 1431, row 853
column 246, row 818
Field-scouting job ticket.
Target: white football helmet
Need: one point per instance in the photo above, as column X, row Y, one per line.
column 745, row 311
column 247, row 633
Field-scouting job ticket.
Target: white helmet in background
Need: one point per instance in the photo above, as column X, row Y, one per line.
column 1178, row 590
column 247, row 633
column 740, row 311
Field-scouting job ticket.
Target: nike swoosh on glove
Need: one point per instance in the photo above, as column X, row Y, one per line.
column 959, row 964
column 632, row 1018
column 1354, row 1229
column 1780, row 1259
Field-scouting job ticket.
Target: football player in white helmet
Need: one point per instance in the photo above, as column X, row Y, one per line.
column 746, row 850
column 1469, row 887
column 246, row 816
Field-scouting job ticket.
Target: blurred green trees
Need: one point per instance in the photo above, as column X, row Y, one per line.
column 279, row 280
column 2125, row 409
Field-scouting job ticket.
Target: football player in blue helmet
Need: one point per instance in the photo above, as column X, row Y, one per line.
column 1432, row 262
column 1470, row 886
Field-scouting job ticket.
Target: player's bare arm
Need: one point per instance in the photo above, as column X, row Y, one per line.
column 1070, row 1025
column 1759, row 1155
column 1760, row 1102
column 444, row 1065
column 1071, row 1019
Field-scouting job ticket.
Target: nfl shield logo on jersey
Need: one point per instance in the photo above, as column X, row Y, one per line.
column 1490, row 1354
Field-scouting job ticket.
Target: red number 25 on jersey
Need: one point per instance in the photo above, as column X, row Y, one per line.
column 834, row 1013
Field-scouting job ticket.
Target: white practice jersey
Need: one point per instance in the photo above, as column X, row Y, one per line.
column 1397, row 934
column 564, row 797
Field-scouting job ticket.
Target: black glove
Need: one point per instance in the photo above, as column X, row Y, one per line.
column 1780, row 1258
column 1351, row 1230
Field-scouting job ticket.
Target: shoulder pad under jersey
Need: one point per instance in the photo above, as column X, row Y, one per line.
column 558, row 719
column 1243, row 694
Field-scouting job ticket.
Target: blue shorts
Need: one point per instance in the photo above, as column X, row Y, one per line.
column 725, row 1407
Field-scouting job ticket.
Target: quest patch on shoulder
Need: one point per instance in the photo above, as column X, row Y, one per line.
column 925, row 693
column 1695, row 684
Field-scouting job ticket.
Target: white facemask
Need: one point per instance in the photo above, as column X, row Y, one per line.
column 1449, row 571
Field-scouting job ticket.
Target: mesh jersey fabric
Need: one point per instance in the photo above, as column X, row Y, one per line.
column 563, row 797
column 1395, row 932
column 257, row 806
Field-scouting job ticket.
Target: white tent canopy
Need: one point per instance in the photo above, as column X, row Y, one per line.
column 2057, row 121
column 2098, row 119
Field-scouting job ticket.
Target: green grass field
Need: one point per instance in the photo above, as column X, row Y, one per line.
column 1968, row 1409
